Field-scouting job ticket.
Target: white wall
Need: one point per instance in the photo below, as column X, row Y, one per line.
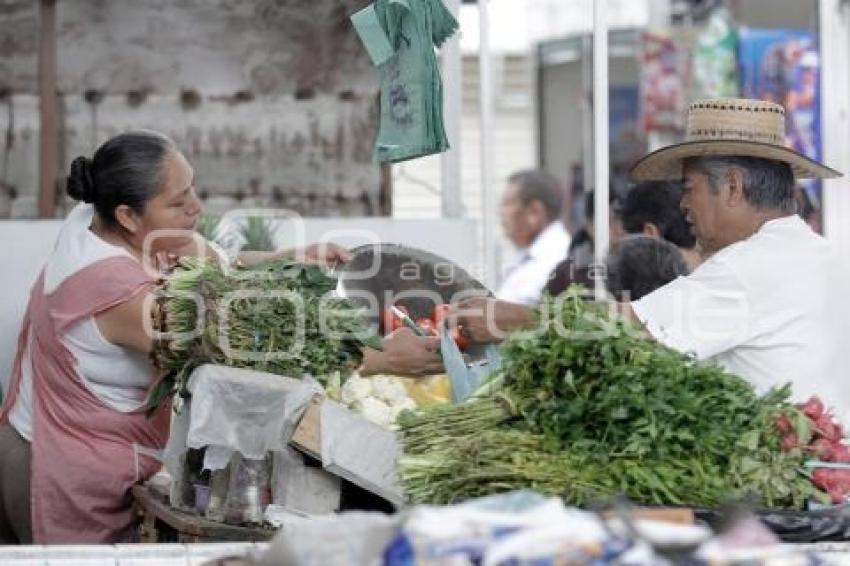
column 835, row 116
column 25, row 246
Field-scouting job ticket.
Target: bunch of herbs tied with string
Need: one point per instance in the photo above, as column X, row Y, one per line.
column 280, row 317
column 587, row 408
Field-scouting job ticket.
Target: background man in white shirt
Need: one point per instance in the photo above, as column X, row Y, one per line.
column 530, row 212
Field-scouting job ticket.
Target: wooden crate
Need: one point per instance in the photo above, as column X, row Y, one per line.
column 356, row 449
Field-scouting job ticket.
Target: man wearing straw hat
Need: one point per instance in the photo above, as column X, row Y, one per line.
column 768, row 303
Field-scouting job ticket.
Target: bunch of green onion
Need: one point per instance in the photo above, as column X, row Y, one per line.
column 279, row 317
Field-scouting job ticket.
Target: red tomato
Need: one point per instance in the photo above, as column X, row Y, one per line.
column 461, row 340
column 387, row 320
column 440, row 314
column 390, row 321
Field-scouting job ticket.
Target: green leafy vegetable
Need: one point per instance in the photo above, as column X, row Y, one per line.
column 600, row 410
column 280, row 317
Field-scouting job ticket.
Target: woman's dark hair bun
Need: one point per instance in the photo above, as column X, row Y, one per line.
column 80, row 181
column 125, row 170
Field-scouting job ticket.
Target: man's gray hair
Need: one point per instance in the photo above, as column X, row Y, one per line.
column 534, row 184
column 768, row 184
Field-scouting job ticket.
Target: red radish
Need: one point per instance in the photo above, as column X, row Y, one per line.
column 839, row 480
column 783, row 423
column 841, row 477
column 813, row 408
column 838, row 495
column 821, row 478
column 841, row 454
column 823, row 450
column 826, row 428
column 790, row 442
column 821, row 425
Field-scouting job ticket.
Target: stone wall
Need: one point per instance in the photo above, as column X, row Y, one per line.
column 273, row 101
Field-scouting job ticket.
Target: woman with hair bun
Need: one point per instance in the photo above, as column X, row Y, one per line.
column 74, row 437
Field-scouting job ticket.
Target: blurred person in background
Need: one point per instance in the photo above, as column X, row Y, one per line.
column 530, row 214
column 576, row 269
column 653, row 208
column 638, row 265
column 807, row 210
column 650, row 208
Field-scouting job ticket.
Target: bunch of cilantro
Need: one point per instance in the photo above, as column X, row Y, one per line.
column 598, row 409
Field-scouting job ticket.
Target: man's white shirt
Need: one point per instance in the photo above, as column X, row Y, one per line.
column 772, row 308
column 528, row 273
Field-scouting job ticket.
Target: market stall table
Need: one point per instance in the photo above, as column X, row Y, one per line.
column 160, row 522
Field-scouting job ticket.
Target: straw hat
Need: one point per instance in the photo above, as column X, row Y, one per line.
column 730, row 127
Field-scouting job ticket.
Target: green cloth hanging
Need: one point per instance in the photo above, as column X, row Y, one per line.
column 400, row 36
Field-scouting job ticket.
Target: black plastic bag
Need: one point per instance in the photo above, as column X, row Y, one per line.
column 822, row 525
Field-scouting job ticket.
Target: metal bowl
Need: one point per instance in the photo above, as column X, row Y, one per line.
column 381, row 275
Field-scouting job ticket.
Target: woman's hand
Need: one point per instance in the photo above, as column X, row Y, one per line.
column 325, row 252
column 165, row 260
column 404, row 353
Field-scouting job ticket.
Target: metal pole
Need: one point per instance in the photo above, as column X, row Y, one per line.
column 47, row 109
column 587, row 170
column 488, row 197
column 450, row 161
column 835, row 119
column 600, row 138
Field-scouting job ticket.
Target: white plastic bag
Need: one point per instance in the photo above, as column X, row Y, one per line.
column 242, row 410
